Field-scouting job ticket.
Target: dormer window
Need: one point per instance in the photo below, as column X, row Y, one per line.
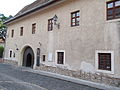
column 113, row 9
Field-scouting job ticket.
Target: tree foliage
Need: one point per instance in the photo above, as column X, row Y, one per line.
column 3, row 28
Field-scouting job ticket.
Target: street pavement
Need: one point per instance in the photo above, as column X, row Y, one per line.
column 19, row 78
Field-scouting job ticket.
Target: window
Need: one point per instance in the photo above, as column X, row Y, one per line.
column 38, row 57
column 75, row 18
column 113, row 9
column 104, row 61
column 12, row 33
column 50, row 24
column 43, row 57
column 60, row 57
column 14, row 55
column 33, row 28
column 21, row 31
column 10, row 54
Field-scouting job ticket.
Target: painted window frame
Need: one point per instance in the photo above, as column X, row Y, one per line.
column 12, row 33
column 21, row 31
column 113, row 9
column 50, row 24
column 43, row 58
column 75, row 17
column 33, row 28
column 10, row 50
column 14, row 55
column 56, row 61
column 97, row 61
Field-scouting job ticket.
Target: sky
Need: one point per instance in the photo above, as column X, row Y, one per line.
column 12, row 7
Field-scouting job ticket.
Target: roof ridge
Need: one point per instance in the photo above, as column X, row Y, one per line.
column 33, row 8
column 32, row 5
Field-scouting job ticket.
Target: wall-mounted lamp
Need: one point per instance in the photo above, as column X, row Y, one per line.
column 40, row 43
column 55, row 18
column 16, row 47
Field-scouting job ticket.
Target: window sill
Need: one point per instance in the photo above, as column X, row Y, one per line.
column 105, row 71
column 113, row 20
column 61, row 66
column 75, row 26
column 50, row 31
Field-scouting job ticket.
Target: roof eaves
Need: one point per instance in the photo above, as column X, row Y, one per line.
column 31, row 10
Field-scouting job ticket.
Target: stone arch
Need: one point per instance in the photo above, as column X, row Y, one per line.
column 28, row 57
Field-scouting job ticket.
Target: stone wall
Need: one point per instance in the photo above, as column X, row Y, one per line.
column 10, row 62
column 94, row 77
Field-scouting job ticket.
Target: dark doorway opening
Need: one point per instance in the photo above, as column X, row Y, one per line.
column 29, row 60
column 28, row 57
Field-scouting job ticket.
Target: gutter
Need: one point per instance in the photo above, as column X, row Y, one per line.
column 32, row 10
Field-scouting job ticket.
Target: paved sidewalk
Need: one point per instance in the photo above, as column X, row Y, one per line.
column 22, row 78
column 71, row 79
column 1, row 60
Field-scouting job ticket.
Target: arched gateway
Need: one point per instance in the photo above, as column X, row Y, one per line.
column 28, row 57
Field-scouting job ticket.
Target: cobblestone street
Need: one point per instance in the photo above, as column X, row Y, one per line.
column 17, row 78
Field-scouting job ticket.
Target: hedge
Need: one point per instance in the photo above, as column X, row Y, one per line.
column 1, row 51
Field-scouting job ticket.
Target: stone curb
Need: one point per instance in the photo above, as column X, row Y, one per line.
column 74, row 80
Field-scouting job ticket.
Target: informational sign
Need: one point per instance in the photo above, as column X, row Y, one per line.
column 50, row 57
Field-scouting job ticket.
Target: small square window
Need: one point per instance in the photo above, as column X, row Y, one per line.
column 104, row 61
column 44, row 58
column 60, row 57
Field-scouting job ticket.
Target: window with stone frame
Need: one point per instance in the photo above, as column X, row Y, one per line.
column 14, row 55
column 60, row 57
column 44, row 58
column 33, row 28
column 12, row 33
column 113, row 9
column 75, row 18
column 50, row 24
column 21, row 31
column 104, row 61
column 10, row 54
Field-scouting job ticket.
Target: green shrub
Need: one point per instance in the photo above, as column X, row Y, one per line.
column 1, row 51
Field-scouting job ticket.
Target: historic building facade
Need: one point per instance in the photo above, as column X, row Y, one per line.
column 78, row 35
